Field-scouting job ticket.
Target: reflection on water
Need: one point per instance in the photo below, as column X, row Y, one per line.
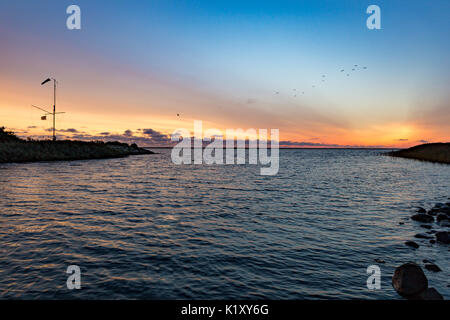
column 143, row 228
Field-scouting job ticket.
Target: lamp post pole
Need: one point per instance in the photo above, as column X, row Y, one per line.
column 54, row 105
column 54, row 109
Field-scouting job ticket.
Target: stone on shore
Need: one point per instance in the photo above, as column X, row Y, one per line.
column 441, row 217
column 421, row 210
column 422, row 217
column 432, row 267
column 443, row 237
column 422, row 236
column 432, row 212
column 412, row 244
column 409, row 280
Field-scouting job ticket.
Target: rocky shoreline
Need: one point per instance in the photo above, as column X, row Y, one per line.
column 409, row 280
column 433, row 152
column 14, row 149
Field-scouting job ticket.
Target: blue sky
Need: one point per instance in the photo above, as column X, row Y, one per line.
column 224, row 61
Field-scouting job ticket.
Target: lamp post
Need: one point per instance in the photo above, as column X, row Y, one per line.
column 54, row 103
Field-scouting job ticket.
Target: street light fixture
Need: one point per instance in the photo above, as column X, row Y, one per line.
column 54, row 113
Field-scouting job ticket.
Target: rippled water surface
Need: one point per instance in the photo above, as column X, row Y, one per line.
column 143, row 228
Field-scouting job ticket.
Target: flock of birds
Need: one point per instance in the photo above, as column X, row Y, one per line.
column 354, row 68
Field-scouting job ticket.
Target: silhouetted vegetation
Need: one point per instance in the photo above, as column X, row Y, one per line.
column 14, row 149
column 7, row 136
column 435, row 152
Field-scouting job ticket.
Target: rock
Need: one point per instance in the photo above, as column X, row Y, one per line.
column 432, row 267
column 445, row 224
column 443, row 237
column 377, row 260
column 421, row 217
column 421, row 210
column 432, row 212
column 439, row 205
column 429, row 294
column 426, row 261
column 422, row 236
column 401, row 223
column 426, row 226
column 432, row 241
column 441, row 217
column 409, row 280
column 412, row 244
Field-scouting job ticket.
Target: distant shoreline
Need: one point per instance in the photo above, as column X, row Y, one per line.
column 431, row 152
column 16, row 150
column 303, row 148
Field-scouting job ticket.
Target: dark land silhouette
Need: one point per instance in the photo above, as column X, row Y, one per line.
column 14, row 149
column 435, row 152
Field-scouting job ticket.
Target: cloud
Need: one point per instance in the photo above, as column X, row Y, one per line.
column 145, row 137
column 156, row 136
column 307, row 144
column 70, row 130
column 153, row 138
column 402, row 140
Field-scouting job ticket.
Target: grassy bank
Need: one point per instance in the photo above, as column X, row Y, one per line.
column 14, row 149
column 435, row 152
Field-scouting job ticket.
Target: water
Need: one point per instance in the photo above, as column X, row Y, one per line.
column 143, row 228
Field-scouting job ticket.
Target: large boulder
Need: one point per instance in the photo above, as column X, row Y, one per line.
column 409, row 280
column 422, row 217
column 443, row 237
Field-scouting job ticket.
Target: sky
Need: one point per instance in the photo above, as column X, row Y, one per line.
column 134, row 66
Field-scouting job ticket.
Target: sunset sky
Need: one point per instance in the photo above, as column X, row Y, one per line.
column 135, row 65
